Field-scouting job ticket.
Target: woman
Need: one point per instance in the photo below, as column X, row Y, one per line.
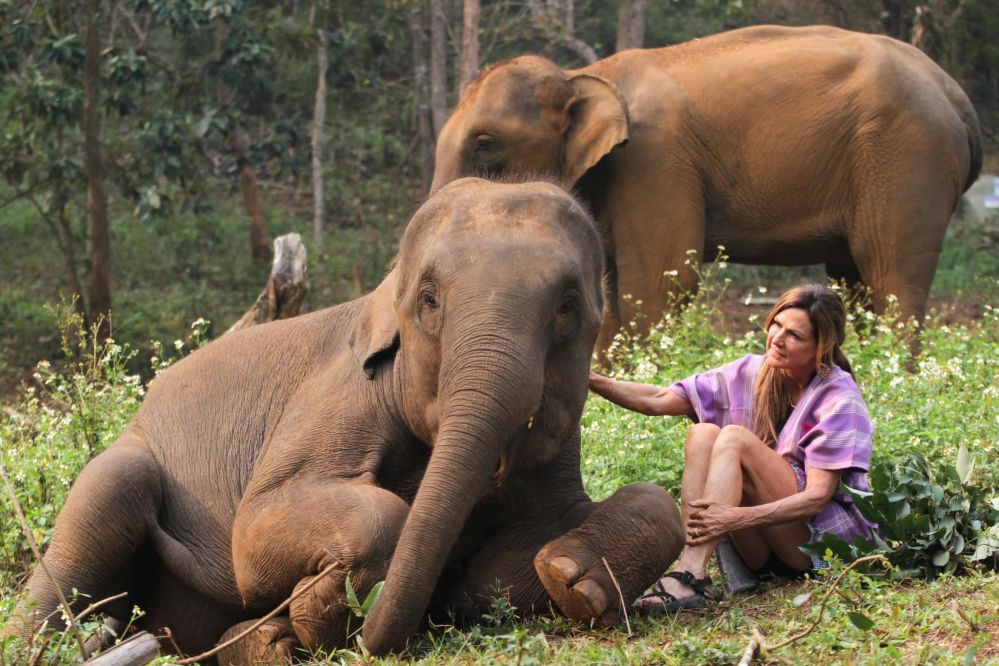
column 774, row 436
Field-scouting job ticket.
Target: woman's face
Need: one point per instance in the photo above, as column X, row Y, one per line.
column 791, row 342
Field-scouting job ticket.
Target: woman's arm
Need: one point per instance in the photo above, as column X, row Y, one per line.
column 710, row 520
column 642, row 398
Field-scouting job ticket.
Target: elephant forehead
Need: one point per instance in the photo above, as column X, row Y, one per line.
column 520, row 82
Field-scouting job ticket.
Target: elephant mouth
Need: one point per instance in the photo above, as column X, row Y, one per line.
column 529, row 443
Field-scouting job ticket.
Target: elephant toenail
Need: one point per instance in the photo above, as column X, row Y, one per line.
column 565, row 568
column 594, row 594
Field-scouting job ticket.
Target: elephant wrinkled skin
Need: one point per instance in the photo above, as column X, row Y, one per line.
column 426, row 434
column 784, row 145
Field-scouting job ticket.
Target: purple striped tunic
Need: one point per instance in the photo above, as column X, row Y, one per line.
column 828, row 429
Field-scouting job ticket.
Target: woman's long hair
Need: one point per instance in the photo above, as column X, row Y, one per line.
column 772, row 393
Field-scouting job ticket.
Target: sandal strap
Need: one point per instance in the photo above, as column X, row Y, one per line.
column 701, row 585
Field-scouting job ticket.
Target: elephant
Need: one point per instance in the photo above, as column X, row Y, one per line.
column 425, row 435
column 786, row 146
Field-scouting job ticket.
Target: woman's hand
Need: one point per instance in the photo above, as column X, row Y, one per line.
column 710, row 520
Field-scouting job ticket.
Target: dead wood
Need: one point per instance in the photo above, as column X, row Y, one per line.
column 138, row 650
column 286, row 288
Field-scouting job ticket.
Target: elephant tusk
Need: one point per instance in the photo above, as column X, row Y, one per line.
column 530, row 423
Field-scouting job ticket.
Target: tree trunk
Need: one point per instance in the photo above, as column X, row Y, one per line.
column 555, row 19
column 469, row 44
column 259, row 239
column 895, row 18
column 286, row 288
column 260, row 247
column 69, row 260
column 97, row 220
column 318, row 120
column 419, row 22
column 631, row 24
column 438, row 66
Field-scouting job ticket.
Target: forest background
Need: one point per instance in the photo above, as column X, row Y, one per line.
column 152, row 149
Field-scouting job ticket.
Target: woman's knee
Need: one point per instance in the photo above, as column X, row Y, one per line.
column 701, row 438
column 733, row 439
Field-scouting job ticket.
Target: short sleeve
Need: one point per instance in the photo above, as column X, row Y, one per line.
column 715, row 394
column 841, row 437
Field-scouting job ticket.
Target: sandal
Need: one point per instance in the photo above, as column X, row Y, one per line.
column 701, row 598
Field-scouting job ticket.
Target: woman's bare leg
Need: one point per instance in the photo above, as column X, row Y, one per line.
column 697, row 459
column 742, row 470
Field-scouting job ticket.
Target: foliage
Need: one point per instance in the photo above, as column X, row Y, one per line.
column 933, row 519
column 74, row 411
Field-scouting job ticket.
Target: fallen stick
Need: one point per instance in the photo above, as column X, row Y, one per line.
column 761, row 646
column 138, row 650
column 256, row 625
column 620, row 595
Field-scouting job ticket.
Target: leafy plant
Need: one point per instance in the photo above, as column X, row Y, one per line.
column 933, row 520
column 362, row 608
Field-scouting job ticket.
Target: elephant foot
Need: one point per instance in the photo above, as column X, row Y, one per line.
column 583, row 593
column 273, row 642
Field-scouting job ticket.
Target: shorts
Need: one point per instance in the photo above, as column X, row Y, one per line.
column 817, row 562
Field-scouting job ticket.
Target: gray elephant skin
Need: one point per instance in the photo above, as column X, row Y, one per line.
column 787, row 146
column 426, row 435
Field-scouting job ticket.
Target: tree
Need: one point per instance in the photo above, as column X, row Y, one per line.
column 630, row 24
column 97, row 220
column 419, row 18
column 438, row 66
column 318, row 120
column 556, row 19
column 469, row 61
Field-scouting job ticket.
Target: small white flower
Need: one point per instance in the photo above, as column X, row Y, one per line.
column 178, row 344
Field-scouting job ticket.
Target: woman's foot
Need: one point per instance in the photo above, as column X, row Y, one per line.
column 676, row 591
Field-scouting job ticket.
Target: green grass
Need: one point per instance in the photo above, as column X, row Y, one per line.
column 81, row 398
column 951, row 398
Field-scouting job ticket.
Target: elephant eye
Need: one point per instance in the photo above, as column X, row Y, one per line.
column 483, row 143
column 428, row 299
column 567, row 315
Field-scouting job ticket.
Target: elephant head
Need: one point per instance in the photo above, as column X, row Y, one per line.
column 487, row 322
column 528, row 116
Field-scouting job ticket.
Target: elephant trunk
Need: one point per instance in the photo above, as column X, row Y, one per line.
column 491, row 399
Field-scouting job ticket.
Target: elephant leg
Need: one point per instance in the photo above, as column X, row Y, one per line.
column 898, row 232
column 560, row 559
column 637, row 530
column 283, row 540
column 273, row 642
column 652, row 238
column 848, row 274
column 104, row 522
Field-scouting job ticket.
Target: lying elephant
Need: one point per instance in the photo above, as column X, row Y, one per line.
column 785, row 145
column 431, row 426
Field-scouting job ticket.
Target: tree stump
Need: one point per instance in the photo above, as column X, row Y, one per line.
column 282, row 297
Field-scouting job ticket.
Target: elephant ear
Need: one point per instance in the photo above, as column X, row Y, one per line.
column 598, row 121
column 376, row 332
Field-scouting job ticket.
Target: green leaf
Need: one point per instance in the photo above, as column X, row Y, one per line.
column 201, row 127
column 965, row 464
column 352, row 601
column 941, row 557
column 860, row 621
column 369, row 601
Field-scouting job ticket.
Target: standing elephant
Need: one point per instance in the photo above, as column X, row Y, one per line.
column 426, row 434
column 784, row 145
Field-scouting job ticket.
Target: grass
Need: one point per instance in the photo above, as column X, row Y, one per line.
column 80, row 401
